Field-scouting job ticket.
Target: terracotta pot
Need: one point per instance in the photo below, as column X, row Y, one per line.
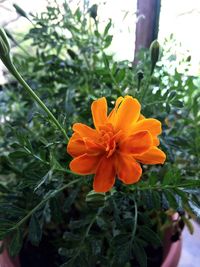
column 172, row 251
column 7, row 261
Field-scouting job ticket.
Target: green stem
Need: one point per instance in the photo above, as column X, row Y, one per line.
column 48, row 163
column 165, row 187
column 135, row 222
column 19, row 78
column 43, row 202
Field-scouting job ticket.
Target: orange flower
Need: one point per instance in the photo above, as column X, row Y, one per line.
column 119, row 142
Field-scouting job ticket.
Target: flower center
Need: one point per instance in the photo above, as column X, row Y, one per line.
column 107, row 138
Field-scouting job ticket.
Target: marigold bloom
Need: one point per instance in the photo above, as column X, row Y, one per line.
column 118, row 144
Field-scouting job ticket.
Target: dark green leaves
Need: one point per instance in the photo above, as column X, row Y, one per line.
column 35, row 230
column 150, row 236
column 15, row 243
column 140, row 254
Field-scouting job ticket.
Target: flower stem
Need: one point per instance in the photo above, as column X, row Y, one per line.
column 135, row 222
column 19, row 78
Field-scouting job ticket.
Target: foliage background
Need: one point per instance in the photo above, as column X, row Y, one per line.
column 68, row 68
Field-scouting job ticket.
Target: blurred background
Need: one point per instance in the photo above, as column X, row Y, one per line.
column 177, row 21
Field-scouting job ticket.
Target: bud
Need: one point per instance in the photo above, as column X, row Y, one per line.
column 188, row 59
column 94, row 199
column 4, row 44
column 93, row 11
column 72, row 54
column 5, row 51
column 155, row 52
column 20, row 11
column 140, row 76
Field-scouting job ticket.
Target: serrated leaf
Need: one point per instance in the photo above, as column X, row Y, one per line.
column 35, row 231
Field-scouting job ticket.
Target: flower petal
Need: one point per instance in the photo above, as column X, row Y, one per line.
column 127, row 113
column 156, row 141
column 113, row 114
column 142, row 117
column 92, row 147
column 76, row 147
column 105, row 175
column 151, row 125
column 128, row 170
column 85, row 164
column 137, row 143
column 84, row 130
column 99, row 112
column 152, row 156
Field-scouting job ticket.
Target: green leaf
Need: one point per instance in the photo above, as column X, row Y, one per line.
column 107, row 28
column 168, row 108
column 44, row 179
column 120, row 75
column 149, row 235
column 178, row 104
column 140, row 254
column 121, row 255
column 35, row 231
column 70, row 200
column 156, row 199
column 171, row 199
column 18, row 154
column 172, row 176
column 105, row 60
column 168, row 178
column 108, row 41
column 171, row 95
column 153, row 178
column 181, row 193
column 120, row 239
column 189, row 225
column 16, row 243
column 3, row 188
